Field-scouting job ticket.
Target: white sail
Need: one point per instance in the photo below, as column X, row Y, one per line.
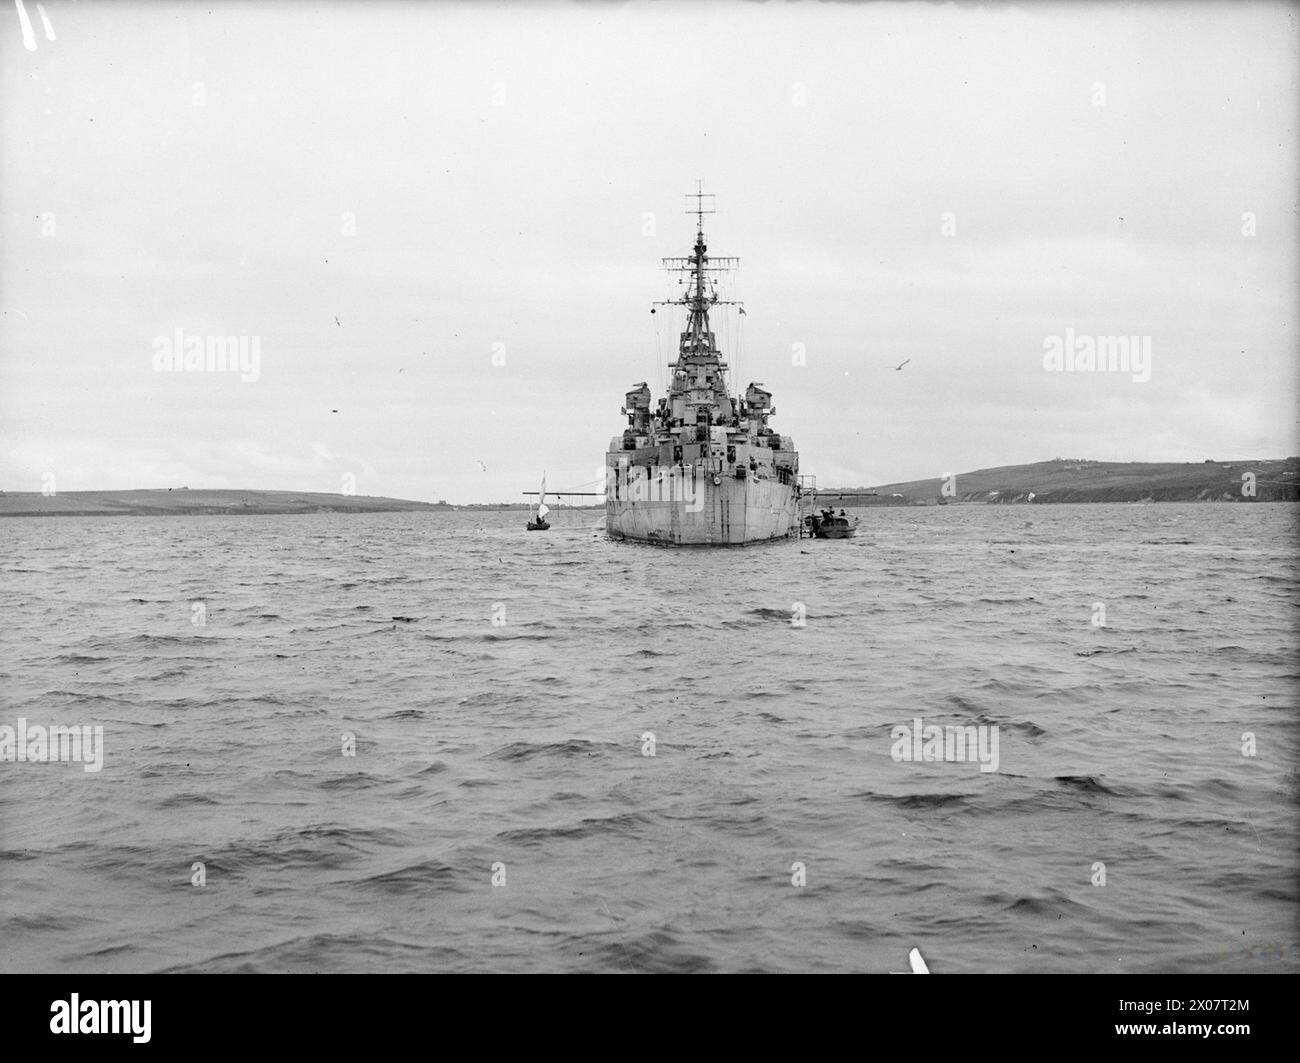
column 542, row 507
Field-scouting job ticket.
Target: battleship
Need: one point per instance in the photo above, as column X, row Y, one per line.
column 702, row 467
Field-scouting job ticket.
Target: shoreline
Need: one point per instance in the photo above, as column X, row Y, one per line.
column 1060, row 481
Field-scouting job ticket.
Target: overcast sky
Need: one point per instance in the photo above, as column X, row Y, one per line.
column 395, row 199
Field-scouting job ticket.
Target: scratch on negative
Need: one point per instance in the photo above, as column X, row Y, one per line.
column 29, row 38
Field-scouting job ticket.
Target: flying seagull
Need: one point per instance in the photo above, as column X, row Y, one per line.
column 898, row 368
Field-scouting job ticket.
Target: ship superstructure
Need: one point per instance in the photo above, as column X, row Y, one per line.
column 701, row 466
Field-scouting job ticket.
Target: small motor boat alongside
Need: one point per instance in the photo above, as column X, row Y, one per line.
column 826, row 525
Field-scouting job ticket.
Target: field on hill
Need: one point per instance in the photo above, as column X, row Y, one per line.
column 182, row 501
column 1078, row 480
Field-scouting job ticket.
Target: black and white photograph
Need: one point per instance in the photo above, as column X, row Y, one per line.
column 720, row 487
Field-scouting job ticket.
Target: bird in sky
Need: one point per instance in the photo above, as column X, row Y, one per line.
column 899, row 367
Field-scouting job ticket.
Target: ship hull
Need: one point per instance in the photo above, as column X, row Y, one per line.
column 732, row 513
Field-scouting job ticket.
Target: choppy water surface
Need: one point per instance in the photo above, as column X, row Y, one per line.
column 520, row 744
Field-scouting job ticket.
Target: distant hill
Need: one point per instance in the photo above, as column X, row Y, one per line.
column 1059, row 480
column 182, row 501
column 1079, row 480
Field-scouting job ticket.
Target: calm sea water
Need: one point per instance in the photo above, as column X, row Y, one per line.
column 225, row 658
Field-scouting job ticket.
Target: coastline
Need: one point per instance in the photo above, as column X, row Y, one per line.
column 1059, row 481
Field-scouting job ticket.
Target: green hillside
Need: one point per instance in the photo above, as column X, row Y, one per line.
column 182, row 501
column 1080, row 480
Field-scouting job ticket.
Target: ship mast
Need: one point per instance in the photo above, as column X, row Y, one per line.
column 699, row 320
column 698, row 339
